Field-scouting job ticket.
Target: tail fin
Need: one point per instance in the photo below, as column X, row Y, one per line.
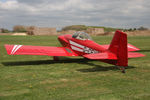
column 119, row 47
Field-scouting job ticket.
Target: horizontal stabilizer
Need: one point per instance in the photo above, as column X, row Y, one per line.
column 99, row 56
column 130, row 47
column 134, row 55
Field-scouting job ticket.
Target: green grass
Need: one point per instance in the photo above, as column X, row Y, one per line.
column 25, row 77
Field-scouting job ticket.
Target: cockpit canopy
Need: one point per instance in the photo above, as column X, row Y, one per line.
column 81, row 36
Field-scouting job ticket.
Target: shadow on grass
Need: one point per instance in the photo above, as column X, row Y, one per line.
column 42, row 62
column 98, row 68
column 95, row 68
column 143, row 51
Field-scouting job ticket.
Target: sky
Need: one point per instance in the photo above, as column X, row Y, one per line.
column 60, row 13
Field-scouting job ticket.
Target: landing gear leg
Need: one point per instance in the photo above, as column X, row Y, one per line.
column 55, row 58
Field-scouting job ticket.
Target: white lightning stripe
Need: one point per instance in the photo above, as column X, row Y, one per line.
column 76, row 49
column 16, row 47
column 76, row 44
column 13, row 49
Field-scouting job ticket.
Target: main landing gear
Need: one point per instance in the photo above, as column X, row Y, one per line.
column 55, row 58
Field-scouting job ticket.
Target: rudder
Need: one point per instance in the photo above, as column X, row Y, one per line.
column 118, row 46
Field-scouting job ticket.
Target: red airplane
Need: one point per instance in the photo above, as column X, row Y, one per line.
column 81, row 44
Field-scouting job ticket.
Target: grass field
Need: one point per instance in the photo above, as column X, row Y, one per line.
column 40, row 78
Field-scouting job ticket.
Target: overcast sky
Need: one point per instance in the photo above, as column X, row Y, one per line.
column 59, row 13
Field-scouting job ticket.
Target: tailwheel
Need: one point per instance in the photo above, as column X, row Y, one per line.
column 122, row 68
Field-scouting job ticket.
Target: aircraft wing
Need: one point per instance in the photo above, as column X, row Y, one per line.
column 130, row 47
column 38, row 50
column 98, row 56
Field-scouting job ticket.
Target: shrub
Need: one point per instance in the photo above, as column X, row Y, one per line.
column 142, row 28
column 19, row 28
column 3, row 30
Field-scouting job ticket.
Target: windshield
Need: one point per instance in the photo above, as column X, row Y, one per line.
column 81, row 36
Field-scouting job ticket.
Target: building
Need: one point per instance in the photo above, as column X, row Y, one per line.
column 95, row 31
column 32, row 30
column 68, row 32
column 0, row 30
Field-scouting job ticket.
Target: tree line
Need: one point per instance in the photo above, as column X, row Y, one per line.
column 21, row 28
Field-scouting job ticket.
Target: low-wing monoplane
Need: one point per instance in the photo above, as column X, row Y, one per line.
column 81, row 44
